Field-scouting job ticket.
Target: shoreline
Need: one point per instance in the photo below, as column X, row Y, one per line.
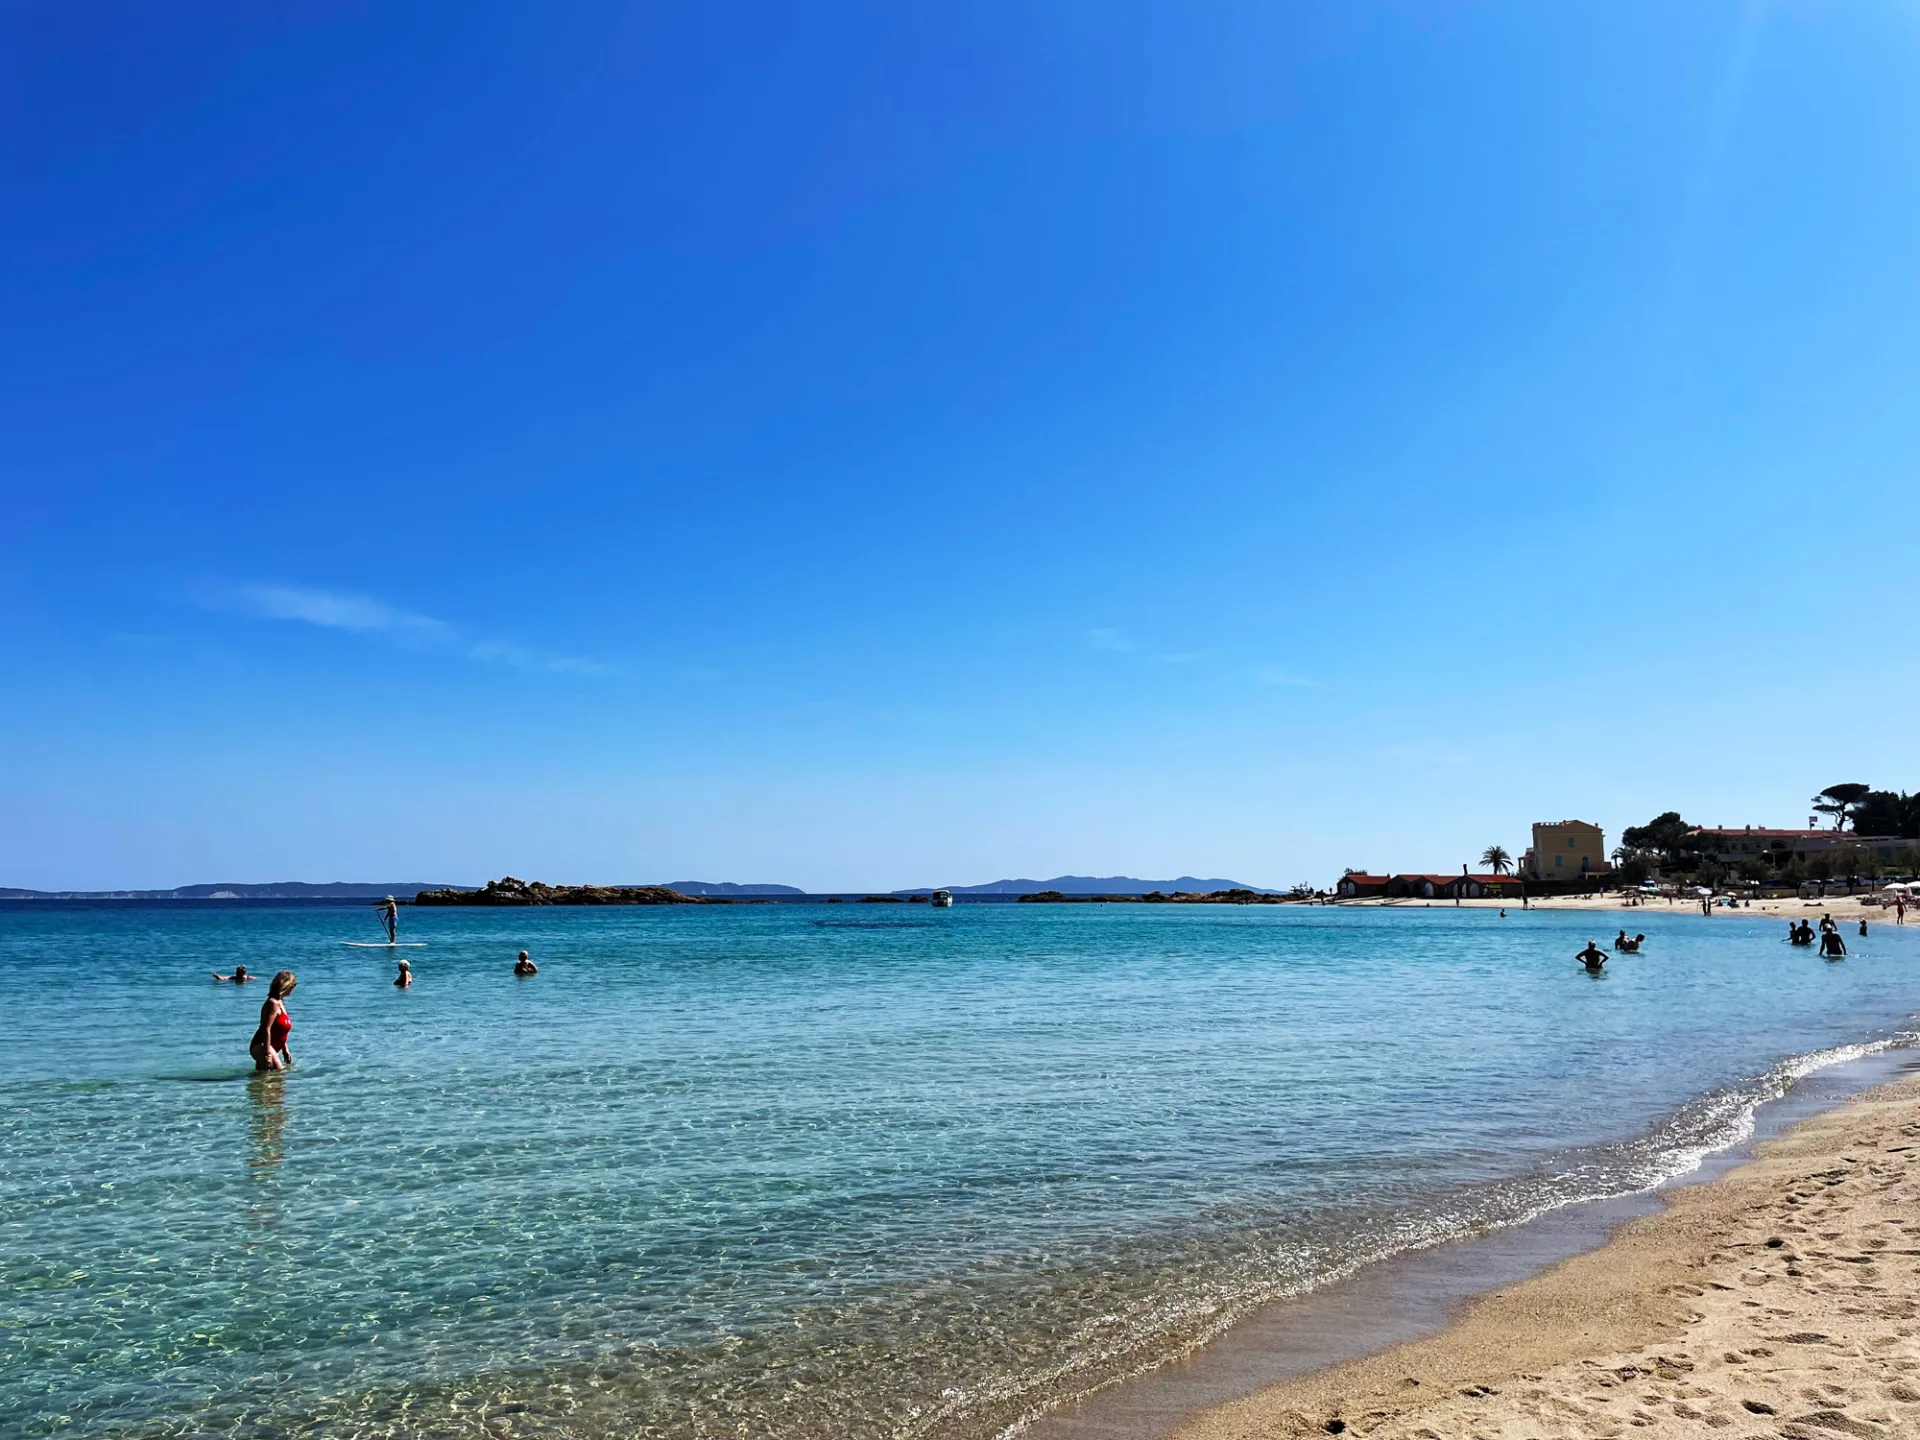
column 1841, row 907
column 1391, row 1351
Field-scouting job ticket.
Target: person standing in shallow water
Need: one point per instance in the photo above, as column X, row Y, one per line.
column 524, row 966
column 403, row 980
column 1593, row 957
column 269, row 1047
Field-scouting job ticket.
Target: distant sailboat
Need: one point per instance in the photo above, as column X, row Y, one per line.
column 943, row 899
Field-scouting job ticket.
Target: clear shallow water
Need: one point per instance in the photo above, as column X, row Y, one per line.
column 807, row 1170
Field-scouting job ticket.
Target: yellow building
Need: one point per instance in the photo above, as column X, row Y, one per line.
column 1565, row 850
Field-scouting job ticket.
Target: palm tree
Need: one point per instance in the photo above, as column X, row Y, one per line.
column 1496, row 859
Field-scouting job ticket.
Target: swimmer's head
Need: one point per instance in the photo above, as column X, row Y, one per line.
column 523, row 954
column 239, row 971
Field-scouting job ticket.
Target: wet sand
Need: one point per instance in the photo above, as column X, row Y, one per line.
column 1781, row 1299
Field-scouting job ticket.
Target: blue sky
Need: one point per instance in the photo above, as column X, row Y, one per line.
column 871, row 445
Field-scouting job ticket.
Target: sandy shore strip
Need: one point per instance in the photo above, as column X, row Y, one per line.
column 1876, row 909
column 1781, row 1300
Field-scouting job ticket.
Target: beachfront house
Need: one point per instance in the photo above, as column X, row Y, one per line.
column 1565, row 850
column 1358, row 885
column 1451, row 887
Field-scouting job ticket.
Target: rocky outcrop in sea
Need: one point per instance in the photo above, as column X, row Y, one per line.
column 509, row 891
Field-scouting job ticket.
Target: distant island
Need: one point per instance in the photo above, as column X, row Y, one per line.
column 229, row 890
column 510, row 891
column 1236, row 895
column 727, row 887
column 1099, row 885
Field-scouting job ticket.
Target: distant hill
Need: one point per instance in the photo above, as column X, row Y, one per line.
column 727, row 887
column 1098, row 885
column 234, row 890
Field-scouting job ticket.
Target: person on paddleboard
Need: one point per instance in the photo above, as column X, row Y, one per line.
column 390, row 913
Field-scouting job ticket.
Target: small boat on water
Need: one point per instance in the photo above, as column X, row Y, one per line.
column 943, row 899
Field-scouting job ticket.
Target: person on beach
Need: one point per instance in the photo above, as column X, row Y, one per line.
column 390, row 913
column 525, row 966
column 239, row 976
column 1899, row 909
column 403, row 980
column 269, row 1047
column 1593, row 957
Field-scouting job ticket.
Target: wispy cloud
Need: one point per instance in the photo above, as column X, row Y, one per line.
column 1274, row 675
column 334, row 610
column 367, row 615
column 1104, row 638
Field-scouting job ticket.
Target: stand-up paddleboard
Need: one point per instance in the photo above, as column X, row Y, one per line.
column 385, row 944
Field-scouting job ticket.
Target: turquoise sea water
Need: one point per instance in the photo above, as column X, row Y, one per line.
column 803, row 1170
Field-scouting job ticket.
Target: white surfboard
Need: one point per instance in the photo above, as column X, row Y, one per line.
column 385, row 944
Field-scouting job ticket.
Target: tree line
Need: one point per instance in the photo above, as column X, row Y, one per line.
column 1666, row 843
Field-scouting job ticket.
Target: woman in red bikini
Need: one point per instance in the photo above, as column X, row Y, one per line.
column 270, row 1040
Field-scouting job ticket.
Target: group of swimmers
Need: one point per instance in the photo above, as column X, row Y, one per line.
column 1594, row 958
column 522, row 967
column 1800, row 932
column 269, row 1044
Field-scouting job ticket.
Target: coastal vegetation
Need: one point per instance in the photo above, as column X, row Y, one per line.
column 1881, row 830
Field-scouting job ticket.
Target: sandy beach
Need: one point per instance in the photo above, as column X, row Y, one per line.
column 1841, row 907
column 1782, row 1299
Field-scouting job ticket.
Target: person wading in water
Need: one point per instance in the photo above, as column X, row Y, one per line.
column 1593, row 957
column 270, row 1040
